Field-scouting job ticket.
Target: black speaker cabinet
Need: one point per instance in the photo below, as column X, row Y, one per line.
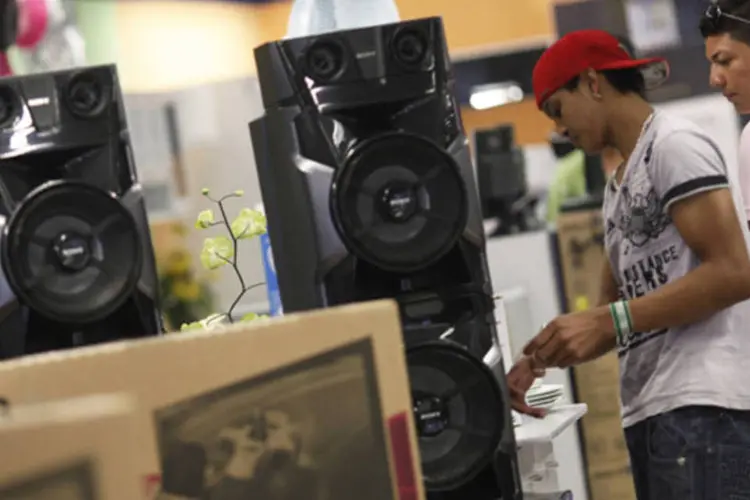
column 369, row 192
column 77, row 263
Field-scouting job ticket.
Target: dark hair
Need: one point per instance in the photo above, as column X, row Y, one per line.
column 625, row 81
column 723, row 25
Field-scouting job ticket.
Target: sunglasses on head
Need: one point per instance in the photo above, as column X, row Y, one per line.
column 713, row 16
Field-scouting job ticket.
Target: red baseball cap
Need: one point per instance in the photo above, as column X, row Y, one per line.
column 580, row 50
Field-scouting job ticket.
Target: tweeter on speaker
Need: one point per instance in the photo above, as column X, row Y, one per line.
column 325, row 60
column 410, row 46
column 86, row 95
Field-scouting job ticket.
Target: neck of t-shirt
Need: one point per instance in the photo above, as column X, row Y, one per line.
column 629, row 118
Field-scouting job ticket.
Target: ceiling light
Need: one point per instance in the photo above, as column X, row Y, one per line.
column 496, row 94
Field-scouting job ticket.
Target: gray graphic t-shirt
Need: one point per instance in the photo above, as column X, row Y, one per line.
column 697, row 364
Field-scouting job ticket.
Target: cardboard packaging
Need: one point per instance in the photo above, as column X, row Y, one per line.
column 597, row 383
column 310, row 406
column 614, row 485
column 605, row 444
column 580, row 235
column 76, row 449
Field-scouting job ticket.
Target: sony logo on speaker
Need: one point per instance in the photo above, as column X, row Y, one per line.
column 72, row 252
column 365, row 55
column 39, row 101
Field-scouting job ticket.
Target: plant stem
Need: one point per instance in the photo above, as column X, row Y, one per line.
column 234, row 258
column 237, row 300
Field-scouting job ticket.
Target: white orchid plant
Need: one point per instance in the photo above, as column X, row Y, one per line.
column 220, row 251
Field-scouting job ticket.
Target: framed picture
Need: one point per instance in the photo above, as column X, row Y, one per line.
column 299, row 431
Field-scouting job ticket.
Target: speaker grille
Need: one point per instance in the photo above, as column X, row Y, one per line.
column 71, row 252
column 458, row 409
column 399, row 202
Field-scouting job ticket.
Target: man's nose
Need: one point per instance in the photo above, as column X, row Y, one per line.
column 716, row 78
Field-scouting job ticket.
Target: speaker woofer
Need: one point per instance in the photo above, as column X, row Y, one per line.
column 458, row 409
column 399, row 202
column 86, row 95
column 71, row 252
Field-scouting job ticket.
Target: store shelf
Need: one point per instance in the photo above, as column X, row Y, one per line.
column 544, row 430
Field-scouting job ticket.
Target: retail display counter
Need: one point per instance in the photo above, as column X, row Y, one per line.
column 536, row 453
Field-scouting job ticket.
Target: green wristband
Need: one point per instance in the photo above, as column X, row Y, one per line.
column 628, row 317
column 616, row 321
column 621, row 311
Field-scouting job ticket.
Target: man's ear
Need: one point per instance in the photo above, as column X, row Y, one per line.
column 590, row 79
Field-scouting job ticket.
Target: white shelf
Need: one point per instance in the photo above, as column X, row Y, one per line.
column 544, row 430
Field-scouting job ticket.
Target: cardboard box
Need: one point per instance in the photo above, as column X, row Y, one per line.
column 77, row 449
column 603, row 369
column 598, row 385
column 304, row 404
column 605, row 443
column 615, row 485
column 580, row 236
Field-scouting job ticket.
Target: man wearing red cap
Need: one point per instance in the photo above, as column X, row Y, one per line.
column 676, row 278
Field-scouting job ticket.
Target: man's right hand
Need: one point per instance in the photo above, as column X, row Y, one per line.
column 519, row 379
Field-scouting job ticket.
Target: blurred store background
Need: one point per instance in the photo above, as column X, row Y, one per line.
column 187, row 70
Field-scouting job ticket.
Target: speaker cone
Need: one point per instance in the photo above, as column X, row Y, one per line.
column 71, row 252
column 399, row 202
column 86, row 95
column 458, row 409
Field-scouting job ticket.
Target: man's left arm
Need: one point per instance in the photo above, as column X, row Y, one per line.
column 689, row 175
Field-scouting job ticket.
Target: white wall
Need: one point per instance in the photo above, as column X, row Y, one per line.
column 177, row 44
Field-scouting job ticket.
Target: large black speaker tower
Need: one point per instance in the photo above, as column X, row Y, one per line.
column 369, row 192
column 77, row 263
